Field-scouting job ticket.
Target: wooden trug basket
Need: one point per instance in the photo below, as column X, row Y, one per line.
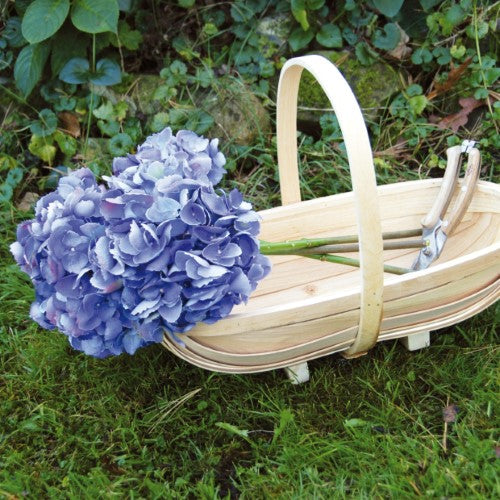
column 305, row 308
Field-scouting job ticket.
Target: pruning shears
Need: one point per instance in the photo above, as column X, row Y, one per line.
column 435, row 227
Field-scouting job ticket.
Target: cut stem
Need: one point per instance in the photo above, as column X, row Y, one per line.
column 340, row 248
column 337, row 259
column 276, row 248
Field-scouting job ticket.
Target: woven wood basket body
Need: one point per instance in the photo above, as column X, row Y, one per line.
column 306, row 309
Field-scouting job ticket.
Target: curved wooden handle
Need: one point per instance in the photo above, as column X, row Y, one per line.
column 447, row 187
column 364, row 185
column 466, row 191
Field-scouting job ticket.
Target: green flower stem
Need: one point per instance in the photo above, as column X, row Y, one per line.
column 287, row 247
column 337, row 259
column 339, row 248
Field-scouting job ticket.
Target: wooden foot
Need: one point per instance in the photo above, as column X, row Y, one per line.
column 417, row 341
column 298, row 374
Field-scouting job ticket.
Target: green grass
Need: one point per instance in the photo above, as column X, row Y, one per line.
column 153, row 426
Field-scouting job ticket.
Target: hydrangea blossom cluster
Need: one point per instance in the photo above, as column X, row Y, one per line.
column 158, row 249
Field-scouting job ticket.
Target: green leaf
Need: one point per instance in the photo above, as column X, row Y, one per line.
column 108, row 128
column 46, row 124
column 160, row 121
column 67, row 43
column 388, row 7
column 428, row 4
column 66, row 143
column 120, row 145
column 442, row 55
column 104, row 111
column 107, row 72
column 132, row 127
column 300, row 39
column 121, row 108
column 414, row 89
column 365, row 54
column 29, row 66
column 43, row 18
column 15, row 176
column 43, row 148
column 453, row 16
column 482, row 30
column 186, row 4
column 76, row 70
column 12, row 32
column 300, row 13
column 329, row 36
column 457, row 51
column 6, row 192
column 418, row 103
column 163, row 92
column 389, row 39
column 95, row 16
column 204, row 76
column 129, row 38
column 421, row 56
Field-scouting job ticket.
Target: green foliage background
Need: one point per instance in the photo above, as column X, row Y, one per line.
column 151, row 426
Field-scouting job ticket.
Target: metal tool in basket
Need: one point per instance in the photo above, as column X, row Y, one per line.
column 437, row 227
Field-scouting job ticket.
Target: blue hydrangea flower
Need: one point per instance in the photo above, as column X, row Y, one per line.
column 157, row 250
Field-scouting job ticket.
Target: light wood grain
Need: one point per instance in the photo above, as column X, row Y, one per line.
column 306, row 309
column 360, row 158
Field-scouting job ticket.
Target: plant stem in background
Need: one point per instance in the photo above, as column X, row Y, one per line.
column 91, row 104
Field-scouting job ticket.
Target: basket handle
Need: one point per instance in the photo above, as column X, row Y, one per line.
column 360, row 159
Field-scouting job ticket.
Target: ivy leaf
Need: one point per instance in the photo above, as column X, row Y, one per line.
column 66, row 143
column 300, row 38
column 43, row 148
column 300, row 13
column 12, row 32
column 120, row 145
column 365, row 54
column 46, row 124
column 388, row 40
column 329, row 36
column 129, row 38
column 108, row 128
column 66, row 44
column 104, row 111
column 418, row 103
column 442, row 55
column 95, row 16
column 388, row 7
column 160, row 121
column 43, row 18
column 421, row 56
column 107, row 72
column 29, row 66
column 76, row 70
